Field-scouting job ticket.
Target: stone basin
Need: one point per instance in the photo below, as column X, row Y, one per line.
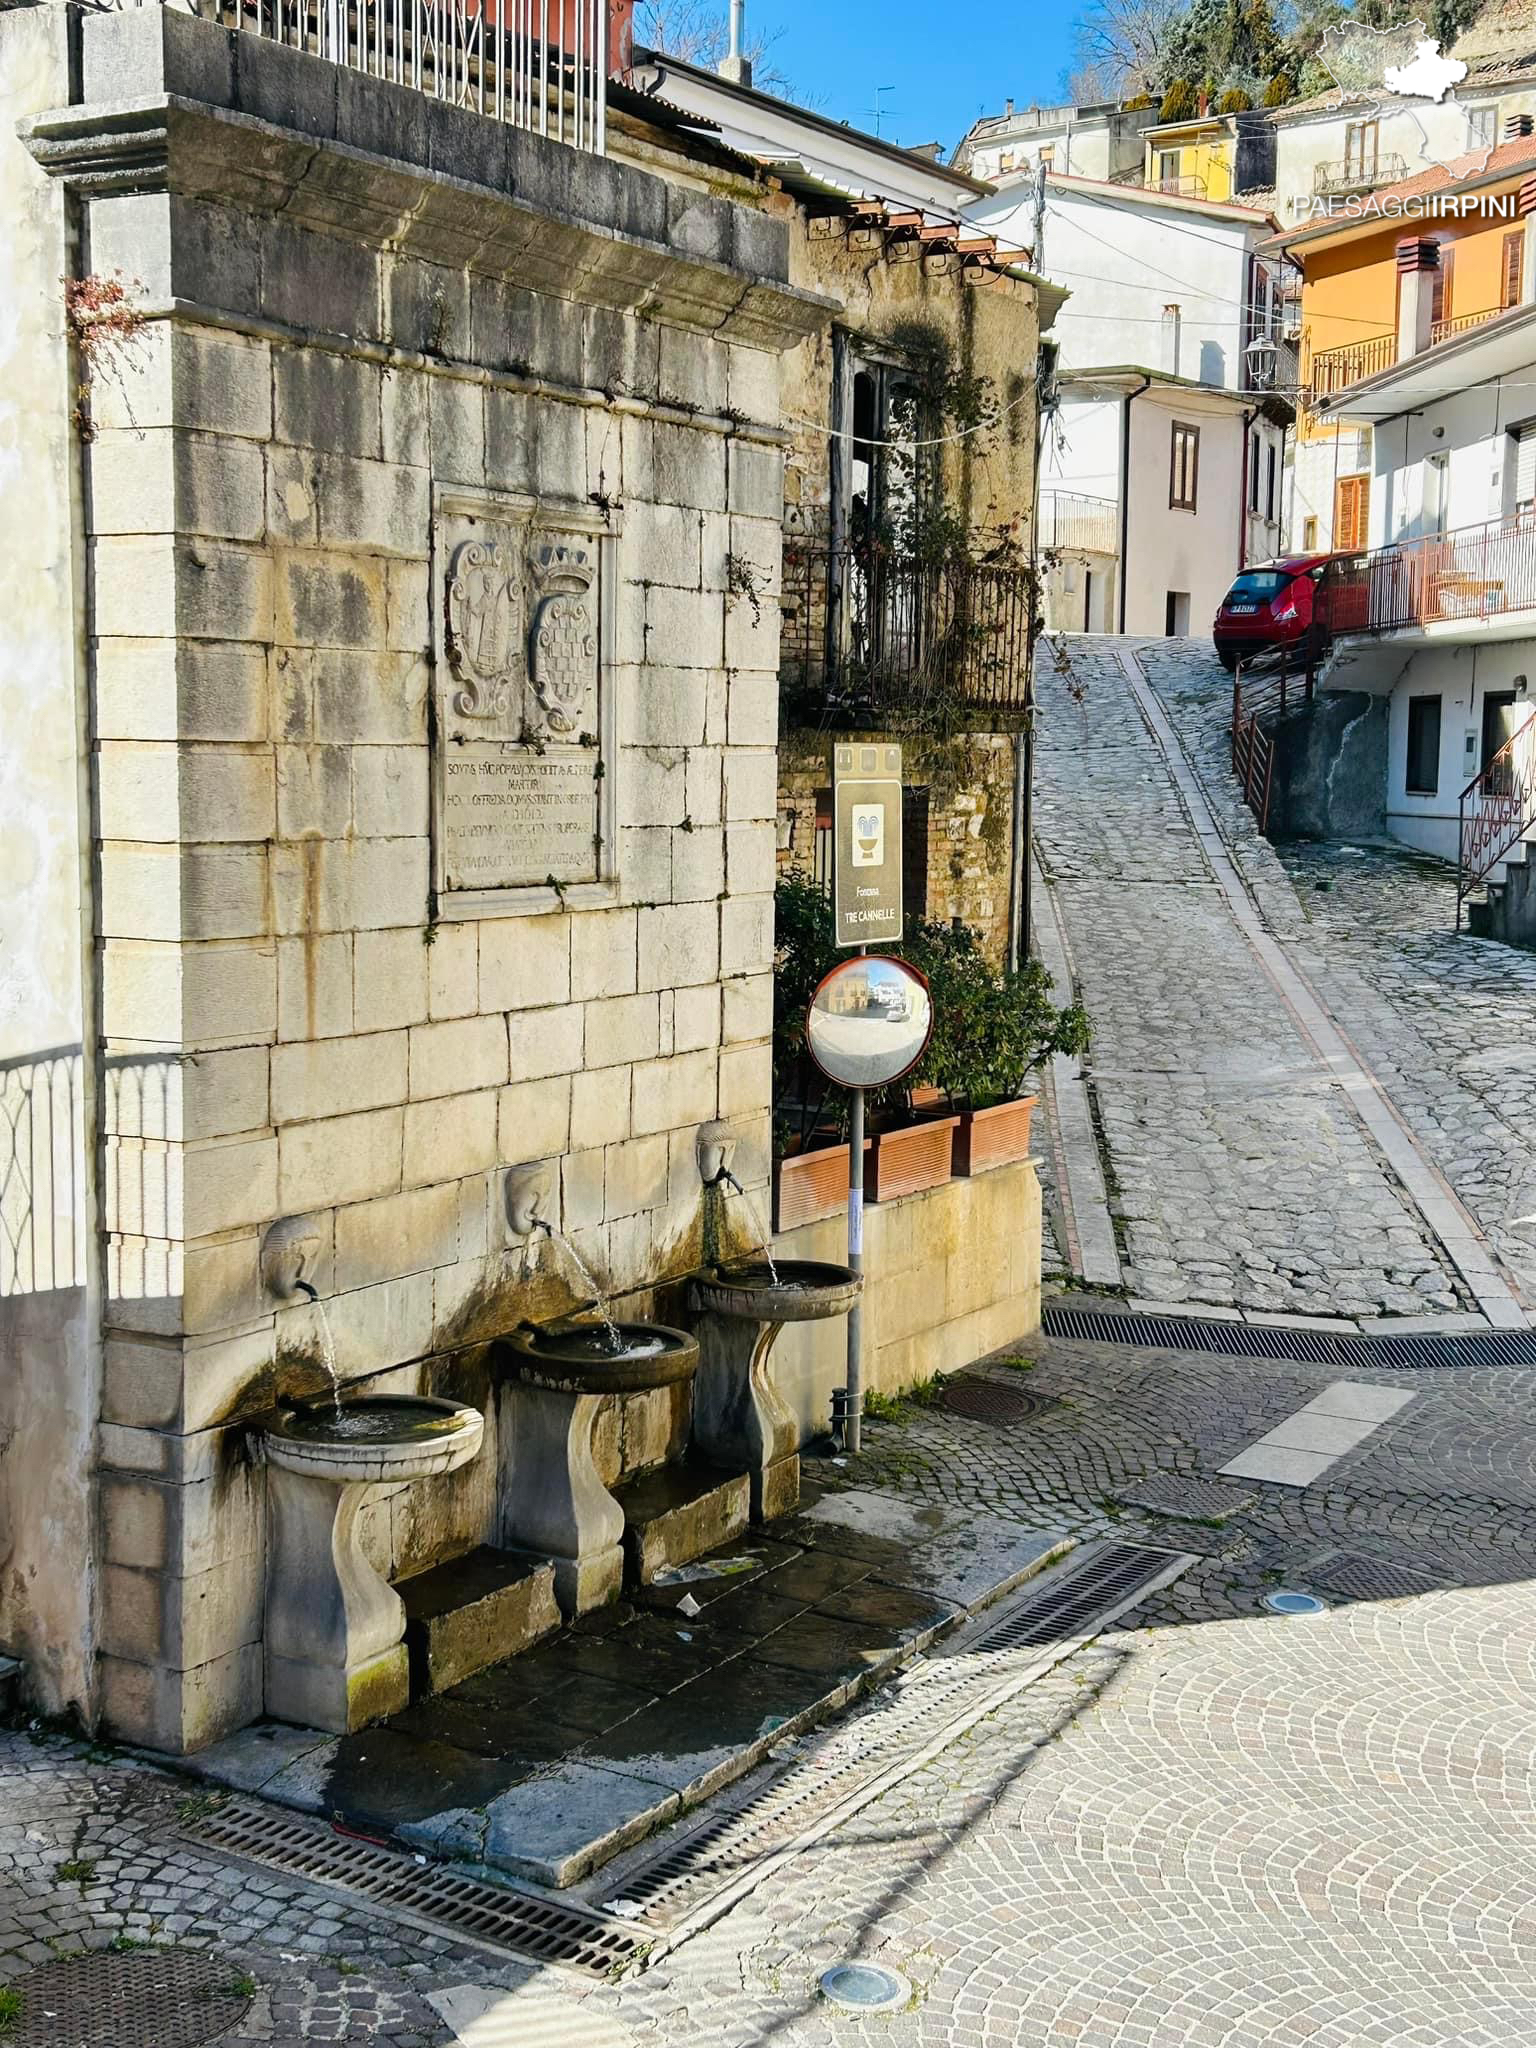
column 580, row 1358
column 380, row 1438
column 789, row 1291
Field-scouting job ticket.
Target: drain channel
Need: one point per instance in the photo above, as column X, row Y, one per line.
column 708, row 1868
column 1301, row 1347
column 435, row 1897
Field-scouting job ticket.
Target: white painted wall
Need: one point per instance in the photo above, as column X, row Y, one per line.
column 1127, row 263
column 1461, row 677
column 1471, row 429
column 1184, row 551
column 1421, row 132
column 1315, row 468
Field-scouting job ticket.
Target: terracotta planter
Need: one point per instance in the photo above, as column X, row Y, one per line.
column 810, row 1185
column 994, row 1136
column 906, row 1161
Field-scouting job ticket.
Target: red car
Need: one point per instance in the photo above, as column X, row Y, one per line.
column 1270, row 606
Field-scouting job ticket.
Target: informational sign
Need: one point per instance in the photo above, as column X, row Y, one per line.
column 866, row 843
column 869, row 1022
column 511, row 816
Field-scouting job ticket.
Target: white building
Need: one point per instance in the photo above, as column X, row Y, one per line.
column 1173, row 287
column 1441, row 617
column 1086, row 142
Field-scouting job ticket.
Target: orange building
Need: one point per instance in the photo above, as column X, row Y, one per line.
column 1388, row 275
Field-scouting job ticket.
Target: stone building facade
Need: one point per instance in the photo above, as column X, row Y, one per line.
column 424, row 443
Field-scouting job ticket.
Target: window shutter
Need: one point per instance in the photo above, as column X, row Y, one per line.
column 1514, row 255
column 1525, row 465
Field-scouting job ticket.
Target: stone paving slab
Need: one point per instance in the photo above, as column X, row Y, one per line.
column 548, row 1764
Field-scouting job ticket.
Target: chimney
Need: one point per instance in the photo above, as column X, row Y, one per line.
column 733, row 65
column 1517, row 125
column 1417, row 263
column 1007, row 108
column 1202, row 104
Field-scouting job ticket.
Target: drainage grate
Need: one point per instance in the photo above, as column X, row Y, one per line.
column 989, row 1401
column 712, row 1864
column 1303, row 1347
column 436, row 1897
column 1353, row 1575
column 1188, row 1500
column 147, row 1998
column 1079, row 1602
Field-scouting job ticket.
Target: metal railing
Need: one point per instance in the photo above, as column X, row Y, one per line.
column 1183, row 188
column 1263, row 690
column 1335, row 369
column 1357, row 174
column 1442, row 330
column 535, row 64
column 878, row 635
column 1478, row 572
column 1068, row 519
column 1497, row 810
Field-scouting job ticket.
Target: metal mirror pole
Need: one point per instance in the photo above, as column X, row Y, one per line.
column 853, row 1400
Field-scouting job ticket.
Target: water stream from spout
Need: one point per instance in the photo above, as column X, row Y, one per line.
column 327, row 1346
column 588, row 1279
column 764, row 1239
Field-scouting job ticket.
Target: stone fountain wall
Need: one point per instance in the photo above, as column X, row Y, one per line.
column 432, row 773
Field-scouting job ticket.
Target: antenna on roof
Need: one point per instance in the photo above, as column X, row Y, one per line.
column 734, row 65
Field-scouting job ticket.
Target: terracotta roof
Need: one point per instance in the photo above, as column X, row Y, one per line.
column 1504, row 158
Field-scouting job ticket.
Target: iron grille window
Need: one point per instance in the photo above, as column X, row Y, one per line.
column 1184, row 468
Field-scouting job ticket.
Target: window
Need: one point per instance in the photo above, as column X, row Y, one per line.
column 1168, row 161
column 1520, row 471
column 1048, row 156
column 1361, row 143
column 1309, row 535
column 1440, row 285
column 1255, row 461
column 1269, row 486
column 1008, row 160
column 1184, row 468
column 1423, row 778
column 1351, row 511
column 1514, row 266
column 1436, row 493
column 1176, row 614
column 1482, row 127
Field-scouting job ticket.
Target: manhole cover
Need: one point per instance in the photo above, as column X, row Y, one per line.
column 1188, row 1500
column 145, row 1998
column 1288, row 1602
column 1355, row 1576
column 865, row 1987
column 987, row 1401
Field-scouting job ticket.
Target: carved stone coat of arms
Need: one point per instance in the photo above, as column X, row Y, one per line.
column 562, row 638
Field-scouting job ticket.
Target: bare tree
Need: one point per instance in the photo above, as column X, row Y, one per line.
column 1118, row 46
column 698, row 31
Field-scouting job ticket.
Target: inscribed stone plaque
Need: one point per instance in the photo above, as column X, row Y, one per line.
column 519, row 778
column 514, row 817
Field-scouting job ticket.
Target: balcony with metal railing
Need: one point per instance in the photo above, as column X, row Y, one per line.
column 874, row 637
column 540, row 65
column 1472, row 575
column 1334, row 369
column 1183, row 188
column 1343, row 175
column 1442, row 330
column 1081, row 524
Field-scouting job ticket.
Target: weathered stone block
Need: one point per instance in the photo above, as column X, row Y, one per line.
column 746, row 935
column 622, row 1028
column 750, row 852
column 228, row 1182
column 449, row 1137
column 602, row 954
column 332, row 1077
column 747, row 1008
column 338, row 1159
column 581, row 1189
column 178, row 1712
column 453, row 971
column 673, row 1092
column 599, row 1106
column 182, row 1622
column 678, row 1513
column 475, row 1611
column 389, row 985
column 751, row 784
column 746, row 1080
column 696, row 1017
column 525, row 962
column 398, row 1234
column 326, row 600
column 698, row 865
column 314, row 986
column 389, row 791
column 756, row 479
column 533, row 1118
column 328, row 401
column 449, row 1058
column 679, row 944
column 655, row 784
column 383, row 506
column 224, row 1092
column 635, row 1176
column 427, row 306
column 326, row 282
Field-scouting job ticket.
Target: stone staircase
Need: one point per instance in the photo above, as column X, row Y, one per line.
column 1507, row 908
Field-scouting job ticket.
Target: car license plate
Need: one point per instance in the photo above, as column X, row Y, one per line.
column 1244, row 608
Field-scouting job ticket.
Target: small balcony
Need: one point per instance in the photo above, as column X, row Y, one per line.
column 1442, row 330
column 535, row 64
column 887, row 640
column 1344, row 175
column 1183, row 188
column 1335, row 369
column 1082, row 525
column 1475, row 574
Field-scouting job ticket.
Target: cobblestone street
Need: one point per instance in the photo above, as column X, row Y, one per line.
column 1213, row 1825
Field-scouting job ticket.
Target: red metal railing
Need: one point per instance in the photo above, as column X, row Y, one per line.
column 1477, row 572
column 1262, row 692
column 1335, row 369
column 1498, row 810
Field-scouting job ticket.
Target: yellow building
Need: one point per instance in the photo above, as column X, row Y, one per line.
column 1197, row 158
column 1387, row 276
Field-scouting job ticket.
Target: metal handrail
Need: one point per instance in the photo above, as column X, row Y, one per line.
column 1496, row 810
column 1263, row 690
column 1347, row 174
column 535, row 64
column 1442, row 330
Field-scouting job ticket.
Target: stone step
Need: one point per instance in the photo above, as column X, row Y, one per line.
column 474, row 1611
column 677, row 1513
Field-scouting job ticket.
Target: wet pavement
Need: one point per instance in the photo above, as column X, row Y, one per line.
column 547, row 1765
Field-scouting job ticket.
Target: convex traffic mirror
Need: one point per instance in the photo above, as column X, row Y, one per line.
column 869, row 1022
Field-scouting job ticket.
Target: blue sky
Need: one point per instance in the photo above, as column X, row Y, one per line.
column 945, row 64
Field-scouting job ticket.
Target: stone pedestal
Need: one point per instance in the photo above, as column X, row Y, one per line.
column 740, row 1420
column 552, row 1500
column 335, row 1655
